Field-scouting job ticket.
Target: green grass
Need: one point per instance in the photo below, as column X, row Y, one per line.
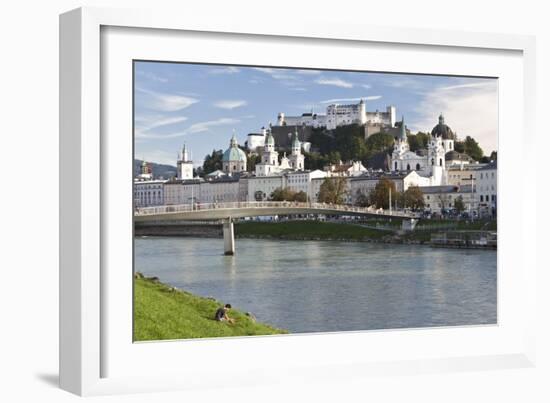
column 162, row 313
column 307, row 230
column 463, row 225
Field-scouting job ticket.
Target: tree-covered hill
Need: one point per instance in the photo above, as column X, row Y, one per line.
column 159, row 170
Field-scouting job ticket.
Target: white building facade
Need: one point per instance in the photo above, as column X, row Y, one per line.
column 438, row 198
column 148, row 193
column 431, row 164
column 486, row 189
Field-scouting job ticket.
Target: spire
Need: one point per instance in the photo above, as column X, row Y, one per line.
column 441, row 119
column 233, row 143
column 184, row 154
column 403, row 132
column 295, row 140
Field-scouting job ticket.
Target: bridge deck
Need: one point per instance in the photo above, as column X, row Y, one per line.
column 217, row 211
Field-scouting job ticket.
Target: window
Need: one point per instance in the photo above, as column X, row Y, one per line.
column 481, row 198
column 441, row 162
column 418, row 167
column 487, row 198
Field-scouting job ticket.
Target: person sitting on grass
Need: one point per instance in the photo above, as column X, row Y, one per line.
column 221, row 314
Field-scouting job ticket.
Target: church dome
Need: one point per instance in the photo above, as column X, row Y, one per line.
column 442, row 130
column 234, row 153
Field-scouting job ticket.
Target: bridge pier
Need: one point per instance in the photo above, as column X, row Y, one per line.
column 228, row 237
column 409, row 224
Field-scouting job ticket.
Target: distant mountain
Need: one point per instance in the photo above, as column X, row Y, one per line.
column 159, row 170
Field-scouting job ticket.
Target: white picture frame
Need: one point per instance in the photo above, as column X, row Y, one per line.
column 87, row 309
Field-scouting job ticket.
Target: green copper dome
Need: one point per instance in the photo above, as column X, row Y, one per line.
column 233, row 153
column 270, row 140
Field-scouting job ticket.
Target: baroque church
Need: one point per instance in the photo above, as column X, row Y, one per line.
column 431, row 163
column 270, row 164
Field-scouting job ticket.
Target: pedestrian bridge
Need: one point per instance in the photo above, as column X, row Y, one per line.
column 220, row 211
column 227, row 212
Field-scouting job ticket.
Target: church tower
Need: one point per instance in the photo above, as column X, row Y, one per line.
column 296, row 158
column 270, row 158
column 436, row 160
column 185, row 166
column 400, row 148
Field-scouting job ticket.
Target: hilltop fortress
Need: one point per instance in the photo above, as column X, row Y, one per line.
column 336, row 115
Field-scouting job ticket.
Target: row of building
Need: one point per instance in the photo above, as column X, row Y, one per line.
column 442, row 173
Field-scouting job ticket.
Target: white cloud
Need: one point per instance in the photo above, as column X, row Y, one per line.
column 466, row 85
column 366, row 86
column 336, row 100
column 230, row 104
column 205, row 126
column 146, row 123
column 198, row 127
column 285, row 76
column 224, row 70
column 166, row 102
column 309, row 72
column 152, row 76
column 335, row 82
column 470, row 109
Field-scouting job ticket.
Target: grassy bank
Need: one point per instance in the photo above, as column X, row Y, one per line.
column 306, row 230
column 163, row 313
column 318, row 230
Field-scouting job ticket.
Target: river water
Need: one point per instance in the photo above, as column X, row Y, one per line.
column 320, row 286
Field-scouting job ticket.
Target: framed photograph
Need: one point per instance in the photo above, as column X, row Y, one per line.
column 242, row 191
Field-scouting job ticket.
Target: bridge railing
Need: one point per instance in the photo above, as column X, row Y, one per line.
column 180, row 208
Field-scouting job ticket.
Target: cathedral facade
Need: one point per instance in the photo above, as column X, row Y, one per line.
column 429, row 163
column 270, row 164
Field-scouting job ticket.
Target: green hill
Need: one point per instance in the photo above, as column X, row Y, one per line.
column 159, row 170
column 163, row 313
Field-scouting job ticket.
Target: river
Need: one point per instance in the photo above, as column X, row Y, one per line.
column 321, row 286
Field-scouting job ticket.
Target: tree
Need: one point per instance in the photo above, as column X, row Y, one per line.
column 362, row 200
column 315, row 161
column 282, row 194
column 301, row 196
column 413, row 198
column 469, row 146
column 334, row 157
column 380, row 195
column 418, row 141
column 287, row 194
column 212, row 162
column 472, row 148
column 459, row 204
column 333, row 190
column 251, row 162
column 379, row 142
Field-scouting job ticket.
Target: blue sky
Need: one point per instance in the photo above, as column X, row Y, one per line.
column 202, row 105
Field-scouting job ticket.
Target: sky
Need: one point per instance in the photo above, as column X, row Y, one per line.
column 202, row 105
